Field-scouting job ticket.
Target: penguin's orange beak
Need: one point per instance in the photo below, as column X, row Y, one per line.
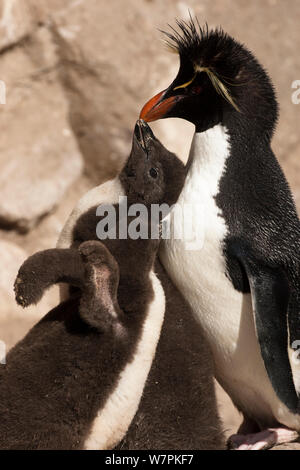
column 157, row 107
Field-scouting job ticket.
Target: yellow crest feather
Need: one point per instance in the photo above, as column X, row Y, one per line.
column 218, row 85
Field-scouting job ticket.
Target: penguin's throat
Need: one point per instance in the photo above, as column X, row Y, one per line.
column 208, row 155
column 209, row 146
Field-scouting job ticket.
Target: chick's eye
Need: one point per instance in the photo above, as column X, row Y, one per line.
column 153, row 173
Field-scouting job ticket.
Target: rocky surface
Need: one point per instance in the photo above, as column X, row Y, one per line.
column 76, row 74
column 16, row 22
column 39, row 156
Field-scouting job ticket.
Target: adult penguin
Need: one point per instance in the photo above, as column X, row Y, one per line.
column 243, row 284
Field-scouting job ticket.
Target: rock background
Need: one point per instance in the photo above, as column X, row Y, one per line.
column 76, row 75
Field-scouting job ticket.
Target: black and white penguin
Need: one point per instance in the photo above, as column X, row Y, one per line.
column 243, row 283
column 76, row 380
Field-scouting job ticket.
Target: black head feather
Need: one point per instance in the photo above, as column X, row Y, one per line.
column 246, row 85
column 214, row 49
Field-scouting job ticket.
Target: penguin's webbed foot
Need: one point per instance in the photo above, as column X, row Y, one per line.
column 262, row 440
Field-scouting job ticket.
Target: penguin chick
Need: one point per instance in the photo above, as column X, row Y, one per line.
column 74, row 382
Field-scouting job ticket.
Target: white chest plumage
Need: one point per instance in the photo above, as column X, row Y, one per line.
column 113, row 420
column 224, row 313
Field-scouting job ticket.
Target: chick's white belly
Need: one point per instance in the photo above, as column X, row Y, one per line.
column 227, row 321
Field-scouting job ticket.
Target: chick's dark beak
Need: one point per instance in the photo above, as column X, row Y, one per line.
column 158, row 106
column 143, row 134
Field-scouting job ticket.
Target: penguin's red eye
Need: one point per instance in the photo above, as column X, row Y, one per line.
column 153, row 173
column 196, row 89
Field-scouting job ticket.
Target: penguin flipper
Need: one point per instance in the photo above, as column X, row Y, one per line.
column 99, row 306
column 45, row 268
column 270, row 294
